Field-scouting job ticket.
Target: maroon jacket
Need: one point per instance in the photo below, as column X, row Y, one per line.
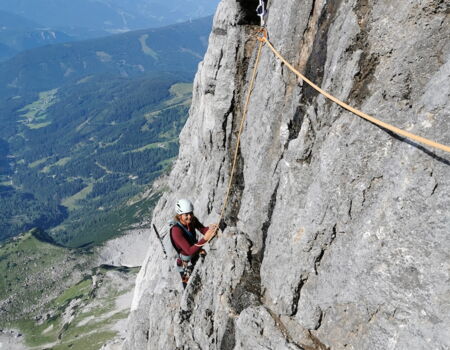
column 184, row 243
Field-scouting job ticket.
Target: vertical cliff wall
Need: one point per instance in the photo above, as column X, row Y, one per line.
column 338, row 231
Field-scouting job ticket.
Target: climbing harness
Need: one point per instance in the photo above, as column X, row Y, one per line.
column 185, row 267
column 185, row 263
column 261, row 12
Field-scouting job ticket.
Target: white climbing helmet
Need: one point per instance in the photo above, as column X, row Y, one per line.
column 184, row 206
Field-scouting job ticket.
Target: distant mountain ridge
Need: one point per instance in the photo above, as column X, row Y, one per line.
column 87, row 125
column 176, row 47
column 9, row 20
column 18, row 34
column 109, row 15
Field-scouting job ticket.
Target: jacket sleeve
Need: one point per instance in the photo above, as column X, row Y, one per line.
column 183, row 244
column 203, row 230
column 199, row 226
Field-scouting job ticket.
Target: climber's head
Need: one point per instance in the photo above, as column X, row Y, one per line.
column 185, row 211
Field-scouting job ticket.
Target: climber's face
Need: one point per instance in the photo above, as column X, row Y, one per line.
column 186, row 218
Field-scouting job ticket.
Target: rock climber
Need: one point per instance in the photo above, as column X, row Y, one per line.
column 184, row 238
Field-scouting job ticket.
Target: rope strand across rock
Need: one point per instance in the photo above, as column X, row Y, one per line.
column 363, row 115
column 238, row 141
column 263, row 39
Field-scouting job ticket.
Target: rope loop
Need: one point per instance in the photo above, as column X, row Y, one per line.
column 262, row 35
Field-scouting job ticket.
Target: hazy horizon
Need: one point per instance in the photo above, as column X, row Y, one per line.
column 108, row 15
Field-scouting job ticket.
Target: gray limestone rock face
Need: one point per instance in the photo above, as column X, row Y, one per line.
column 338, row 230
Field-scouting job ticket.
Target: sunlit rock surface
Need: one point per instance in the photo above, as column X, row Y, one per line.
column 338, row 231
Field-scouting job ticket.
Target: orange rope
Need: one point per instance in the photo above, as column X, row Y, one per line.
column 356, row 111
column 264, row 39
column 241, row 128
